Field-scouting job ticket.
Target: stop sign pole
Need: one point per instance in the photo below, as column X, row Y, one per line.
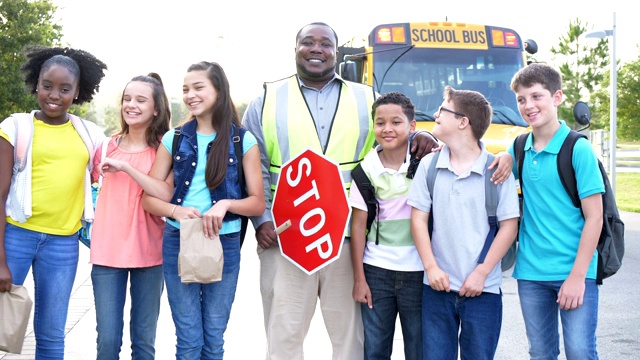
column 310, row 211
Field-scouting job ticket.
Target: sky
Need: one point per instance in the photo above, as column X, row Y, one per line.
column 254, row 40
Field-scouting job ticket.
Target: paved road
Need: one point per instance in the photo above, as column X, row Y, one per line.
column 618, row 330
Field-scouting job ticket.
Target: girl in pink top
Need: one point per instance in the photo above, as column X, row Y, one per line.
column 126, row 241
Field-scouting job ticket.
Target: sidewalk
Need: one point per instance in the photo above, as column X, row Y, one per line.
column 245, row 337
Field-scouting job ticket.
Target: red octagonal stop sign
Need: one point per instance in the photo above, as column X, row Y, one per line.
column 311, row 200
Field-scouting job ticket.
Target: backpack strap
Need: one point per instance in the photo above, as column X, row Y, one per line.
column 85, row 135
column 491, row 205
column 177, row 136
column 368, row 194
column 24, row 133
column 565, row 167
column 238, row 137
column 518, row 150
column 432, row 172
column 103, row 155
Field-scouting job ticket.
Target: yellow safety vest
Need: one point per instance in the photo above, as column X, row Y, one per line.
column 289, row 129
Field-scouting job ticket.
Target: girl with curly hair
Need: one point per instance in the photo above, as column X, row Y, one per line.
column 44, row 201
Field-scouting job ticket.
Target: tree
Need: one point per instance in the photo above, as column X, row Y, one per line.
column 583, row 67
column 628, row 104
column 179, row 112
column 111, row 118
column 22, row 22
column 242, row 107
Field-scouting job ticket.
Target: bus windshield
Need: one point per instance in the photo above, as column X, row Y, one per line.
column 422, row 74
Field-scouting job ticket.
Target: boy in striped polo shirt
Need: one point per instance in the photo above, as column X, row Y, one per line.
column 387, row 268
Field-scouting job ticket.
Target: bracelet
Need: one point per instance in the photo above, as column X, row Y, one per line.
column 172, row 210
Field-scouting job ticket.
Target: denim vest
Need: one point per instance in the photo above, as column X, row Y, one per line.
column 184, row 166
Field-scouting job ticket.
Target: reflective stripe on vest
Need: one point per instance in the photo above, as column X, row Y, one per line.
column 288, row 135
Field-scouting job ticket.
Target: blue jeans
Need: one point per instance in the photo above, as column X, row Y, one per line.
column 393, row 293
column 200, row 311
column 54, row 261
column 477, row 320
column 110, row 292
column 540, row 311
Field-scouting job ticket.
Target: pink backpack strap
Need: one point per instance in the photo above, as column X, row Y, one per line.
column 24, row 133
column 82, row 130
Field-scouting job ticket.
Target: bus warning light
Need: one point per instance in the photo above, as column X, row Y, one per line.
column 397, row 34
column 512, row 39
column 384, row 35
column 504, row 38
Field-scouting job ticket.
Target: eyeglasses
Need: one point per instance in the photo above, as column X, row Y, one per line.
column 442, row 108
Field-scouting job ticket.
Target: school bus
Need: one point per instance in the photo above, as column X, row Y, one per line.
column 419, row 59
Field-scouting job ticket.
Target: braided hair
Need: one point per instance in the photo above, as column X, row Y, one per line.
column 85, row 67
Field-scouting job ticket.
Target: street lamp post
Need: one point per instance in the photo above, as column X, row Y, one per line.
column 613, row 101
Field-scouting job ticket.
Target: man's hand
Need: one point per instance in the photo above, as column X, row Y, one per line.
column 266, row 235
column 423, row 143
column 505, row 165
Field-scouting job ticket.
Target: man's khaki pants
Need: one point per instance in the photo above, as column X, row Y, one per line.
column 289, row 299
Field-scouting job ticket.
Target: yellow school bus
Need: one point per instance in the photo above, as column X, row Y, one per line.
column 420, row 59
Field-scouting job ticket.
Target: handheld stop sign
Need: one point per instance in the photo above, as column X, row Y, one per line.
column 310, row 211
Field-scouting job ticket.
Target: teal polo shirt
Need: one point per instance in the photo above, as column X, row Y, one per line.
column 551, row 226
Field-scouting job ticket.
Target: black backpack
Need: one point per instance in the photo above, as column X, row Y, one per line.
column 611, row 243
column 237, row 143
column 368, row 194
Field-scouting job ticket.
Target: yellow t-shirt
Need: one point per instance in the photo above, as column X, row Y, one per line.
column 60, row 158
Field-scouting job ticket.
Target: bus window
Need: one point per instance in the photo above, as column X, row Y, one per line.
column 420, row 59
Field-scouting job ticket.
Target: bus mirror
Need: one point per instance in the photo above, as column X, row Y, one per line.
column 582, row 114
column 348, row 71
column 530, row 46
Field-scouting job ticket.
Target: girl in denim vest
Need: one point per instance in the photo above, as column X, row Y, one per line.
column 204, row 169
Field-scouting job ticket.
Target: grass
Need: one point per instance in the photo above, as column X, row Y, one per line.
column 628, row 183
column 628, row 191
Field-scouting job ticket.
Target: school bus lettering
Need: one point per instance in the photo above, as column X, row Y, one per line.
column 419, row 58
column 473, row 37
column 434, row 35
column 468, row 37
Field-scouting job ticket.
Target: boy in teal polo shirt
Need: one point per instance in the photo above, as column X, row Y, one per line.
column 556, row 260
